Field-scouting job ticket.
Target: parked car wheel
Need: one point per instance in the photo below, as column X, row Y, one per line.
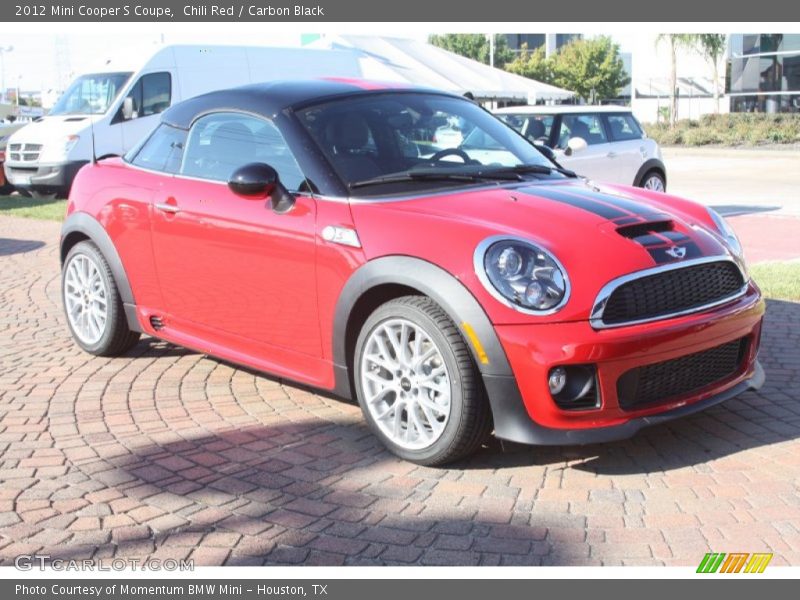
column 92, row 303
column 417, row 384
column 654, row 181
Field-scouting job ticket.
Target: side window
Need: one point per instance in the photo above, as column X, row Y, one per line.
column 588, row 127
column 220, row 143
column 156, row 93
column 162, row 151
column 151, row 94
column 623, row 127
column 538, row 128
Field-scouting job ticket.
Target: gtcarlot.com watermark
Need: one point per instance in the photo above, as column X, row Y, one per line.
column 30, row 562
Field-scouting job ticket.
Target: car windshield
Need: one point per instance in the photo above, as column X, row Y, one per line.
column 90, row 94
column 387, row 143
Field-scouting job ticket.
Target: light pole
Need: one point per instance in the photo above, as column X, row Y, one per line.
column 3, row 52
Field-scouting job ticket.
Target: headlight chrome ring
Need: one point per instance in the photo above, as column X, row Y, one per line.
column 518, row 271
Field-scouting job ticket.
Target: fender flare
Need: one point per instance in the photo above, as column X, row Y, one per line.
column 87, row 226
column 436, row 283
column 652, row 164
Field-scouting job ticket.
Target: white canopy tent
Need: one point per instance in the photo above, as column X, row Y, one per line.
column 419, row 63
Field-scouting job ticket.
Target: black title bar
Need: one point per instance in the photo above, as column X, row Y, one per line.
column 400, row 11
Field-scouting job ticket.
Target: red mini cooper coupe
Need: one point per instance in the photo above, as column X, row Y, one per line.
column 457, row 285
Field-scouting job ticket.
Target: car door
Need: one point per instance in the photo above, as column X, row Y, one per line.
column 598, row 160
column 627, row 139
column 232, row 270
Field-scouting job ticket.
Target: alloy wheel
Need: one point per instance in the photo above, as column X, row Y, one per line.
column 406, row 384
column 86, row 299
column 654, row 183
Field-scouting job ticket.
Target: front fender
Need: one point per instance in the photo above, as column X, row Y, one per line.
column 436, row 283
column 81, row 225
column 460, row 305
column 652, row 164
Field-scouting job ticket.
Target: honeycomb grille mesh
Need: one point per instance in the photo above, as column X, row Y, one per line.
column 674, row 378
column 671, row 292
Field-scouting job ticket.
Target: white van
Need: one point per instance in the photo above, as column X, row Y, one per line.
column 121, row 103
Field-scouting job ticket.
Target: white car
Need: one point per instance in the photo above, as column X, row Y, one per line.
column 604, row 143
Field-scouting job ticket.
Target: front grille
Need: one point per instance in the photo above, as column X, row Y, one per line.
column 674, row 378
column 671, row 292
column 24, row 152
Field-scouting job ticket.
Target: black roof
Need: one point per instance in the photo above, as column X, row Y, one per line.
column 269, row 99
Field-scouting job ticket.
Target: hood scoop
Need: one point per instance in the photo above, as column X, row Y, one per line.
column 638, row 230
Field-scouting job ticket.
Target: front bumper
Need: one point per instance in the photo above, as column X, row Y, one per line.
column 45, row 178
column 525, row 412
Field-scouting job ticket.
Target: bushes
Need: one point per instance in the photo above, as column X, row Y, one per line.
column 734, row 129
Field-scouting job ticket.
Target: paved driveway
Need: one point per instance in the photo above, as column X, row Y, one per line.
column 167, row 453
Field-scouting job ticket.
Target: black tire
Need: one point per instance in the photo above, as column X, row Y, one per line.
column 654, row 174
column 470, row 420
column 117, row 338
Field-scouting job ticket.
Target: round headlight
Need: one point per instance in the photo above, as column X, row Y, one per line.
column 521, row 274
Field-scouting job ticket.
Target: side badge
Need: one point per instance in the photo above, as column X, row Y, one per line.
column 341, row 235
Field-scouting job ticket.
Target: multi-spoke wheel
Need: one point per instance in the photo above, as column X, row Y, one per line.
column 654, row 181
column 416, row 382
column 92, row 303
column 85, row 299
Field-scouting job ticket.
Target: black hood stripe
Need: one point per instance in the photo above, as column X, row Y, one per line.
column 589, row 204
column 603, row 205
column 623, row 212
column 633, row 207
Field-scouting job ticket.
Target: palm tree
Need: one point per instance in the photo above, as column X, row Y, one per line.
column 675, row 41
column 712, row 46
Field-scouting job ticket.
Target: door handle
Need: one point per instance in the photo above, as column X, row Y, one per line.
column 168, row 207
column 611, row 155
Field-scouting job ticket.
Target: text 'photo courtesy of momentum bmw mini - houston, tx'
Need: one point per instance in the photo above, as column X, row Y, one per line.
column 316, row 230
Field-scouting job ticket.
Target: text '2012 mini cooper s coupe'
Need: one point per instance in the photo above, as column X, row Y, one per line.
column 316, row 231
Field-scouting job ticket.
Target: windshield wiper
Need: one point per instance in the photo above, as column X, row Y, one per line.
column 424, row 176
column 542, row 169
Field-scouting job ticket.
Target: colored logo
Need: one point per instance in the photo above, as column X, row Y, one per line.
column 734, row 562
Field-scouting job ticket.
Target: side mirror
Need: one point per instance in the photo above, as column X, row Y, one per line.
column 259, row 180
column 575, row 144
column 127, row 109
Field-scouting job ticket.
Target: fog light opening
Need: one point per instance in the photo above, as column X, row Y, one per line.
column 574, row 387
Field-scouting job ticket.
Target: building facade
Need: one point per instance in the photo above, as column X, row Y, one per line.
column 763, row 72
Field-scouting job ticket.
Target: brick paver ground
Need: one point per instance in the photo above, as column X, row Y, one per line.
column 167, row 453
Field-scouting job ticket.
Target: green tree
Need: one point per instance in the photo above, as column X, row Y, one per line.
column 712, row 47
column 592, row 68
column 475, row 46
column 675, row 41
column 533, row 65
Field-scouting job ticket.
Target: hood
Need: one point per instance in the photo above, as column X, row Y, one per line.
column 49, row 129
column 597, row 233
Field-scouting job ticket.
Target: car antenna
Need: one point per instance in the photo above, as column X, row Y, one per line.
column 94, row 151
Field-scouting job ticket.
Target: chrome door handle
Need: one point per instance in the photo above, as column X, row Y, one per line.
column 169, row 208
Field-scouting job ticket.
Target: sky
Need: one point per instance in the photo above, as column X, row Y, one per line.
column 48, row 61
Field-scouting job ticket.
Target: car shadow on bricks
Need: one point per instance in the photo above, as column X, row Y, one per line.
column 9, row 246
column 308, row 492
